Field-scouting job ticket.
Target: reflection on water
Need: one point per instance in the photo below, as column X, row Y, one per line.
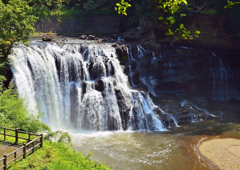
column 174, row 149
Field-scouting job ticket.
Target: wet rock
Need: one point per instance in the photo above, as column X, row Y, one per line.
column 83, row 37
column 9, row 77
column 133, row 64
column 74, row 109
column 91, row 37
column 122, row 52
column 115, row 45
column 47, row 39
column 84, row 88
column 124, row 106
column 108, row 40
column 120, row 42
column 99, row 85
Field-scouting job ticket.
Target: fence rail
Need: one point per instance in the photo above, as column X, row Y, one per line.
column 25, row 148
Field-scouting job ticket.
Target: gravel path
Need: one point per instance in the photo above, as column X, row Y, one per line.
column 225, row 153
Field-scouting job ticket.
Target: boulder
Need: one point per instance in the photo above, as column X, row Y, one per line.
column 91, row 37
column 47, row 39
column 83, row 37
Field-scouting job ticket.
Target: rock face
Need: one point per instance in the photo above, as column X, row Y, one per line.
column 136, row 32
column 108, row 24
column 184, row 71
column 212, row 31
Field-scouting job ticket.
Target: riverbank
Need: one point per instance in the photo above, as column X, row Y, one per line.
column 225, row 153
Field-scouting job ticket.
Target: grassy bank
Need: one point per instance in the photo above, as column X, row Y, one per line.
column 56, row 156
column 52, row 156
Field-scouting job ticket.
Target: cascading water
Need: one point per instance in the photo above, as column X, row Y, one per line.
column 80, row 86
column 220, row 79
column 148, row 81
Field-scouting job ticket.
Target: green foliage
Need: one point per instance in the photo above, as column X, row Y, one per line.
column 123, row 59
column 50, row 4
column 122, row 7
column 57, row 156
column 231, row 4
column 210, row 12
column 14, row 114
column 3, row 66
column 59, row 137
column 16, row 24
column 169, row 12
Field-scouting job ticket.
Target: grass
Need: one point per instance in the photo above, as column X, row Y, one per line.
column 56, row 156
column 11, row 140
column 53, row 156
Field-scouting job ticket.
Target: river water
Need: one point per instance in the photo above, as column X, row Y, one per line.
column 176, row 148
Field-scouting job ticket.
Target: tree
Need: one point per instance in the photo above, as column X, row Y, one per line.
column 16, row 24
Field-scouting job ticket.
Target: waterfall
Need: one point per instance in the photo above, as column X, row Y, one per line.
column 80, row 86
column 130, row 58
column 220, row 79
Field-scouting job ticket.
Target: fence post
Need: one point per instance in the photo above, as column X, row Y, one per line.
column 5, row 162
column 29, row 137
column 24, row 151
column 16, row 135
column 33, row 147
column 41, row 140
column 4, row 131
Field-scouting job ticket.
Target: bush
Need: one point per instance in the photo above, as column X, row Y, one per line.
column 14, row 113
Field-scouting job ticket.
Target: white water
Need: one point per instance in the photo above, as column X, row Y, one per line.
column 80, row 87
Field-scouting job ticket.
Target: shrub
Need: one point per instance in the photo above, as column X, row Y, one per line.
column 14, row 113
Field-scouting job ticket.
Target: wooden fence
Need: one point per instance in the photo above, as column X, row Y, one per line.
column 23, row 150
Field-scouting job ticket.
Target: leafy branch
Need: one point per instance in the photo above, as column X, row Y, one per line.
column 230, row 4
column 167, row 11
column 122, row 7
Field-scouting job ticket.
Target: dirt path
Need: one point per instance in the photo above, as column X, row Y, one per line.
column 6, row 148
column 225, row 153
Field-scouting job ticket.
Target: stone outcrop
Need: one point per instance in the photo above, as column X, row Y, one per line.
column 109, row 24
